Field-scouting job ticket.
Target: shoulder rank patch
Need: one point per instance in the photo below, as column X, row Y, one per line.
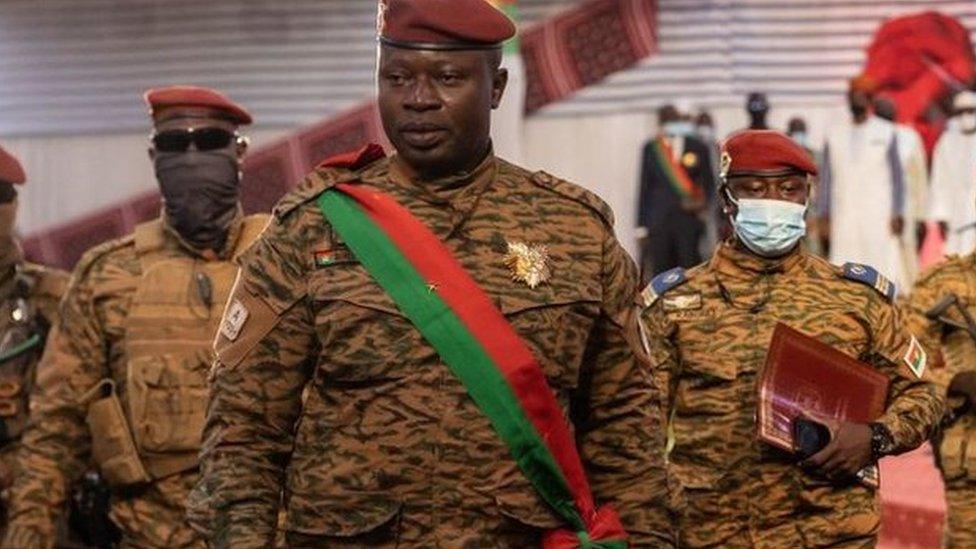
column 871, row 277
column 661, row 284
column 916, row 358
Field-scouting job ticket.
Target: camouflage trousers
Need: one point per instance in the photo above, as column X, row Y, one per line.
column 961, row 528
column 154, row 516
column 487, row 530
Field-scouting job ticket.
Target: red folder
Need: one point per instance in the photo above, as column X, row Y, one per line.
column 802, row 374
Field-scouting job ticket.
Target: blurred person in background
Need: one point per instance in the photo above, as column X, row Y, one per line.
column 29, row 296
column 676, row 188
column 953, row 190
column 757, row 107
column 796, row 128
column 863, row 195
column 914, row 162
column 716, row 226
column 123, row 381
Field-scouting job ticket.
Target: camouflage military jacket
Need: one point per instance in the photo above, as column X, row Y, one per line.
column 954, row 352
column 85, row 347
column 325, row 397
column 28, row 307
column 708, row 339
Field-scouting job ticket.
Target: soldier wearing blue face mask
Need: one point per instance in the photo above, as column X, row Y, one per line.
column 709, row 329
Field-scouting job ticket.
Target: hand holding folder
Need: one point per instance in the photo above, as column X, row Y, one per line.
column 805, row 379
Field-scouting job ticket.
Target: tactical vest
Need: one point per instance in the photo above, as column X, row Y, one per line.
column 172, row 318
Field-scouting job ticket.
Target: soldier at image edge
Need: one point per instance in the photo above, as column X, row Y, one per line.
column 123, row 381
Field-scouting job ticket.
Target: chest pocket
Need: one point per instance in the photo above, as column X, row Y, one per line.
column 172, row 319
column 556, row 325
column 707, row 368
column 365, row 337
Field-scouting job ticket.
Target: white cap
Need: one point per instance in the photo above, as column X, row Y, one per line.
column 964, row 100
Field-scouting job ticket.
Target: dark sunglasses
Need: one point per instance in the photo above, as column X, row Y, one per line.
column 204, row 139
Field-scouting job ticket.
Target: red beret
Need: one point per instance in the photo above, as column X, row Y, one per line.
column 193, row 96
column 765, row 153
column 10, row 169
column 442, row 24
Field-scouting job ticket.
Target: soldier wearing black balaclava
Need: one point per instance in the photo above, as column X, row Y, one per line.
column 123, row 382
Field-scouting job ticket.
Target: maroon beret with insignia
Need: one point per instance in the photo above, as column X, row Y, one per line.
column 158, row 99
column 764, row 153
column 10, row 169
column 442, row 24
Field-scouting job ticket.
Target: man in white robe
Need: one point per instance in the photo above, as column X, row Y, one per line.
column 953, row 190
column 864, row 197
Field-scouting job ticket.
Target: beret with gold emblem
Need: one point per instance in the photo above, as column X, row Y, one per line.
column 442, row 24
column 10, row 169
column 160, row 99
column 764, row 153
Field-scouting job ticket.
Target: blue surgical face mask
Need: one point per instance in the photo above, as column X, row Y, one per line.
column 769, row 228
column 679, row 128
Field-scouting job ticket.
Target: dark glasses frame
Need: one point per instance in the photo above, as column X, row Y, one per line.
column 203, row 139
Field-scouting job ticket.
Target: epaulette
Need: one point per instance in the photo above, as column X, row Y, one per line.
column 871, row 277
column 662, row 283
column 574, row 193
column 337, row 169
column 950, row 262
column 48, row 282
column 355, row 160
column 97, row 252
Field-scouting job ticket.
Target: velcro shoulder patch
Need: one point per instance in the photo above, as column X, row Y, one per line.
column 663, row 283
column 355, row 160
column 871, row 277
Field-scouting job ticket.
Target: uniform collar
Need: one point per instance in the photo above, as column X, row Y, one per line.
column 735, row 261
column 458, row 195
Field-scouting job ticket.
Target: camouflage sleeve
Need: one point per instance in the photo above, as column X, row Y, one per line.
column 914, row 404
column 926, row 293
column 264, row 349
column 622, row 442
column 56, row 441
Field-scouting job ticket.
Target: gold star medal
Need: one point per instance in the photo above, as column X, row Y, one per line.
column 529, row 264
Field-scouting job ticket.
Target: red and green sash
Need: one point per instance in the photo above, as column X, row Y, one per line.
column 675, row 173
column 498, row 370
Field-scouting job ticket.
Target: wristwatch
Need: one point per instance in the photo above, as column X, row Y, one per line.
column 882, row 443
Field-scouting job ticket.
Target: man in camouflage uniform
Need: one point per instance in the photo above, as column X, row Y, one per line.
column 940, row 309
column 327, row 401
column 709, row 330
column 29, row 296
column 123, row 381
